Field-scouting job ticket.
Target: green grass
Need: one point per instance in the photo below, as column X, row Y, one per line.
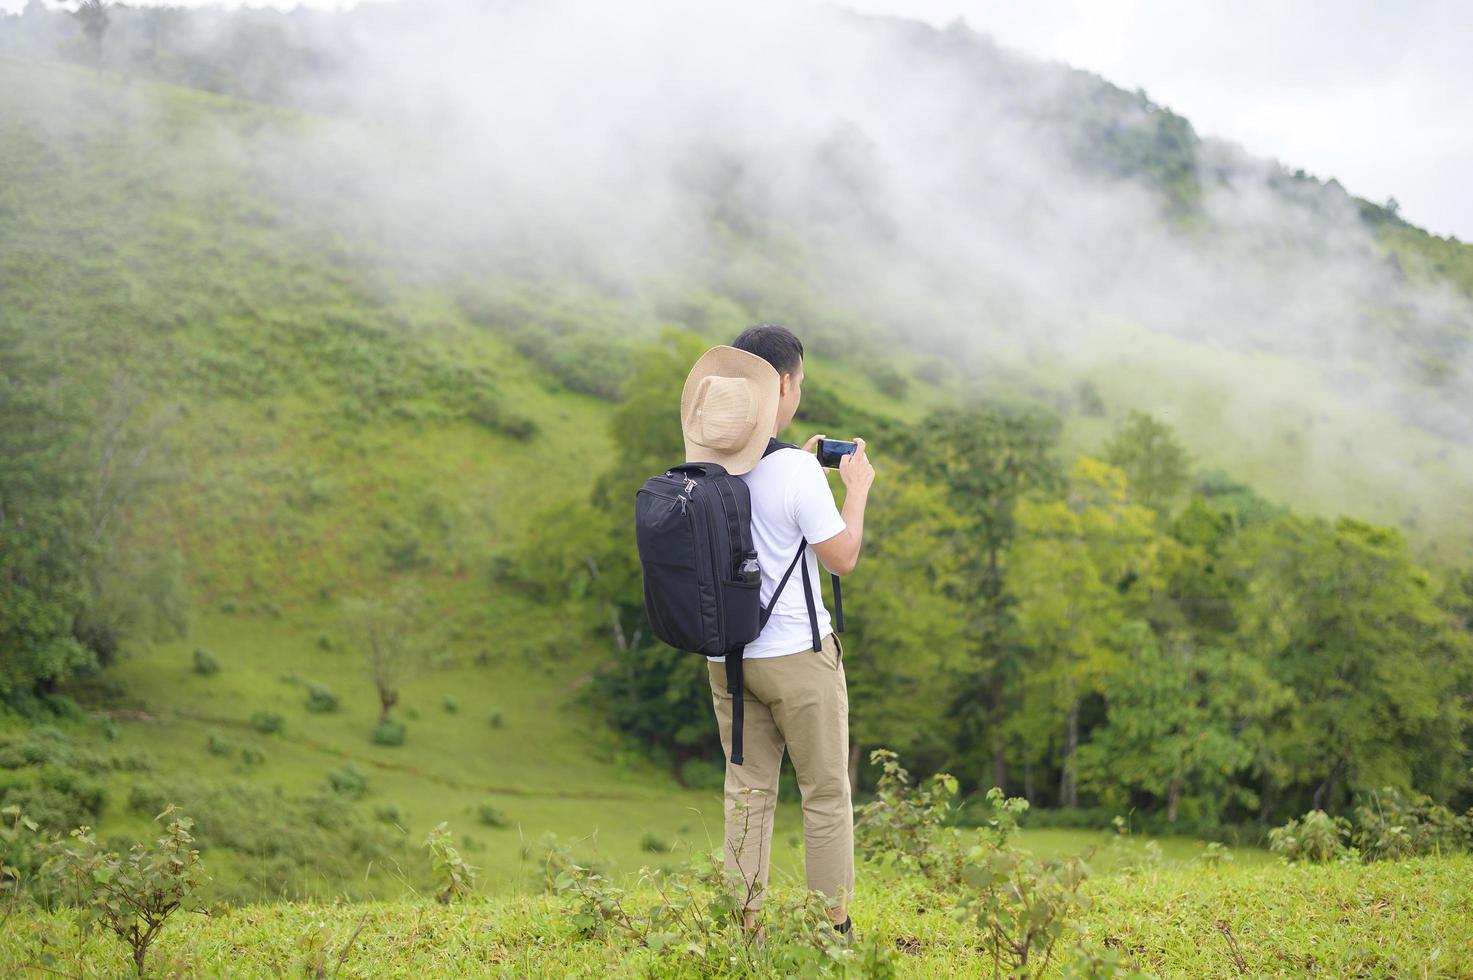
column 1385, row 919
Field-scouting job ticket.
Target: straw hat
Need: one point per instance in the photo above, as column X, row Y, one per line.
column 728, row 409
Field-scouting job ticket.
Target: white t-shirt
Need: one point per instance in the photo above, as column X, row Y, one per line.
column 791, row 501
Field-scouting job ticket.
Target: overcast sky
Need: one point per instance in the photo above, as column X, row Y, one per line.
column 1379, row 95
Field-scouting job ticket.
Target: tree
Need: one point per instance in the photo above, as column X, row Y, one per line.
column 388, row 630
column 989, row 457
column 907, row 646
column 44, row 546
column 1182, row 724
column 1344, row 619
column 131, row 587
column 1155, row 462
column 1080, row 568
column 95, row 20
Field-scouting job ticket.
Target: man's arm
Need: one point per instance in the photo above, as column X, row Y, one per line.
column 840, row 553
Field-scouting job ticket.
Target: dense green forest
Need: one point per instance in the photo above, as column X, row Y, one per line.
column 315, row 508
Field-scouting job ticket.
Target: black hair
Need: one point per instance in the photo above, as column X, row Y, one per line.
column 775, row 344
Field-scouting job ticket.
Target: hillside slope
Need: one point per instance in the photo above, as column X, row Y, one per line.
column 336, row 422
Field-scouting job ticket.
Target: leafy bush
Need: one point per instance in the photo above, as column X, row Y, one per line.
column 218, row 744
column 495, row 720
column 455, row 879
column 205, row 665
column 651, row 843
column 268, row 722
column 19, row 854
column 905, row 826
column 273, row 835
column 388, row 732
column 1023, row 907
column 320, row 699
column 1315, row 838
column 450, row 706
column 1392, row 824
column 388, row 813
column 695, row 926
column 251, row 756
column 490, row 816
column 131, row 895
column 348, row 781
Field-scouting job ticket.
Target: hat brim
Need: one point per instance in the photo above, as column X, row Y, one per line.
column 729, row 362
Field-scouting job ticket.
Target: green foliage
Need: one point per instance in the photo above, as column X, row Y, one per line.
column 348, row 781
column 131, row 895
column 490, row 816
column 1157, row 467
column 44, row 540
column 450, row 705
column 204, row 664
column 321, row 699
column 455, row 879
column 1315, row 838
column 694, row 924
column 651, row 843
column 272, row 836
column 905, row 825
column 218, row 744
column 1392, row 824
column 20, row 856
column 268, row 722
column 389, row 732
column 58, row 782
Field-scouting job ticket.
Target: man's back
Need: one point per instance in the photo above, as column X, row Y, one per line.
column 791, row 501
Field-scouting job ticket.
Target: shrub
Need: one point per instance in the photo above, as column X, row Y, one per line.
column 1315, row 838
column 131, row 895
column 19, row 836
column 905, row 825
column 324, row 641
column 218, row 744
column 695, row 925
column 348, row 781
column 388, row 813
column 388, row 732
column 267, row 722
column 495, row 720
column 251, row 756
column 320, row 699
column 1392, row 824
column 204, row 664
column 490, row 816
column 455, row 879
column 450, row 706
column 651, row 843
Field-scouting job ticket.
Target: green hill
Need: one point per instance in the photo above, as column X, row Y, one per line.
column 320, row 419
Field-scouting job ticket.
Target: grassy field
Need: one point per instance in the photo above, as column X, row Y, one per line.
column 1405, row 919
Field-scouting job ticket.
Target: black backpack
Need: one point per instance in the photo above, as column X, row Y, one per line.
column 693, row 525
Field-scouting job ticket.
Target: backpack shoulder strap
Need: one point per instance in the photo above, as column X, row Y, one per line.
column 773, row 445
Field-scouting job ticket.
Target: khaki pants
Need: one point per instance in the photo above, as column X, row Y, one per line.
column 802, row 702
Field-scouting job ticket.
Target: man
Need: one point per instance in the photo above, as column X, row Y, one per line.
column 795, row 697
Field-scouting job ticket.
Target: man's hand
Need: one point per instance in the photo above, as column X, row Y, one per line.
column 856, row 470
column 808, row 446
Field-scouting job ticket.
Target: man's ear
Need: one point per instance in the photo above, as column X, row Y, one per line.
column 784, row 384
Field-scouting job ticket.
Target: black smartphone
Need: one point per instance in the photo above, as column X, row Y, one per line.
column 830, row 451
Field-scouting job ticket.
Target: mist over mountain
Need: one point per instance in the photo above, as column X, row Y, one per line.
column 877, row 181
